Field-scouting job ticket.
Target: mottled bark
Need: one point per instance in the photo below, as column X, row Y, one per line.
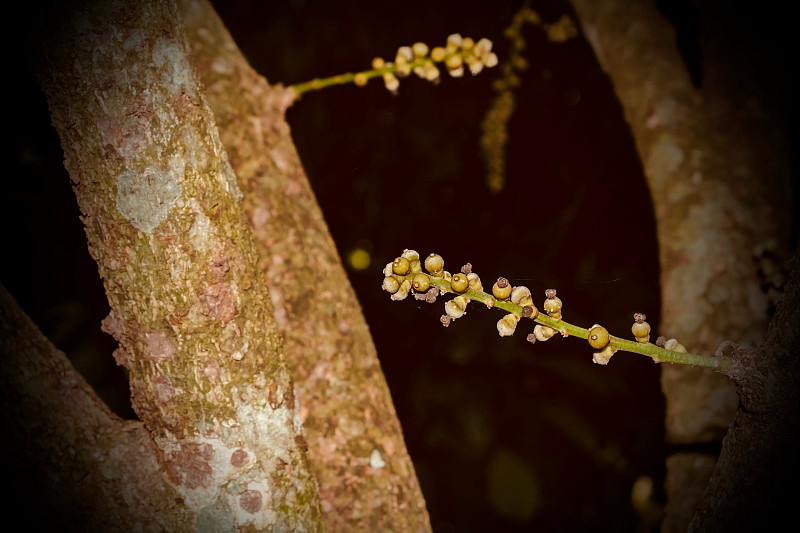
column 719, row 189
column 94, row 471
column 356, row 448
column 163, row 218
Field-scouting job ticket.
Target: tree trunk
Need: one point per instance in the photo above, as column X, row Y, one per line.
column 190, row 309
column 98, row 472
column 186, row 274
column 720, row 187
column 356, row 449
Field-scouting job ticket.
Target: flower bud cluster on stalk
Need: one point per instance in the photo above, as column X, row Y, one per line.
column 427, row 279
column 457, row 56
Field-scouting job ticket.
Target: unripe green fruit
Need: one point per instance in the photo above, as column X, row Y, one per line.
column 401, row 266
column 598, row 337
column 552, row 306
column 434, row 263
column 390, row 284
column 640, row 329
column 421, row 282
column 460, row 282
column 501, row 289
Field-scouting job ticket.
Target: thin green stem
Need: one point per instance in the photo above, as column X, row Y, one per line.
column 656, row 353
column 349, row 77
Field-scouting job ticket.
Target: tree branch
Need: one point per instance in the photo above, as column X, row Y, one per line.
column 712, row 209
column 81, row 462
column 754, row 484
column 345, row 404
column 189, row 307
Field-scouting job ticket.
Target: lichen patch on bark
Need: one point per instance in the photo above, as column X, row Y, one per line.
column 145, row 198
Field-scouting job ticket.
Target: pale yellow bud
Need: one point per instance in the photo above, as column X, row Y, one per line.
column 456, row 72
column 360, row 79
column 404, row 54
column 474, row 282
column 454, row 39
column 543, row 333
column 490, row 60
column 507, row 325
column 402, row 293
column 431, row 72
column 484, row 46
column 518, row 293
column 391, row 81
column 604, row 356
column 456, row 307
column 454, row 61
column 420, row 49
column 475, row 66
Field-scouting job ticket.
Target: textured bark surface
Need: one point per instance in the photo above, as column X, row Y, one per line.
column 754, row 485
column 356, row 448
column 163, row 219
column 95, row 471
column 719, row 191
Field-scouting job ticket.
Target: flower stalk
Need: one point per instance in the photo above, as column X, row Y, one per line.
column 459, row 53
column 548, row 322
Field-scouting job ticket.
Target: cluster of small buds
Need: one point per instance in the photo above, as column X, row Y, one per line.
column 552, row 306
column 458, row 53
column 405, row 275
column 640, row 328
column 396, row 281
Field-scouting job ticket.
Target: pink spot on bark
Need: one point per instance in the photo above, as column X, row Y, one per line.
column 239, row 458
column 159, row 346
column 163, row 388
column 211, row 370
column 250, row 501
column 220, row 301
column 190, row 466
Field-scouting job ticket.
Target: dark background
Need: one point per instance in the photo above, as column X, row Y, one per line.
column 505, row 436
